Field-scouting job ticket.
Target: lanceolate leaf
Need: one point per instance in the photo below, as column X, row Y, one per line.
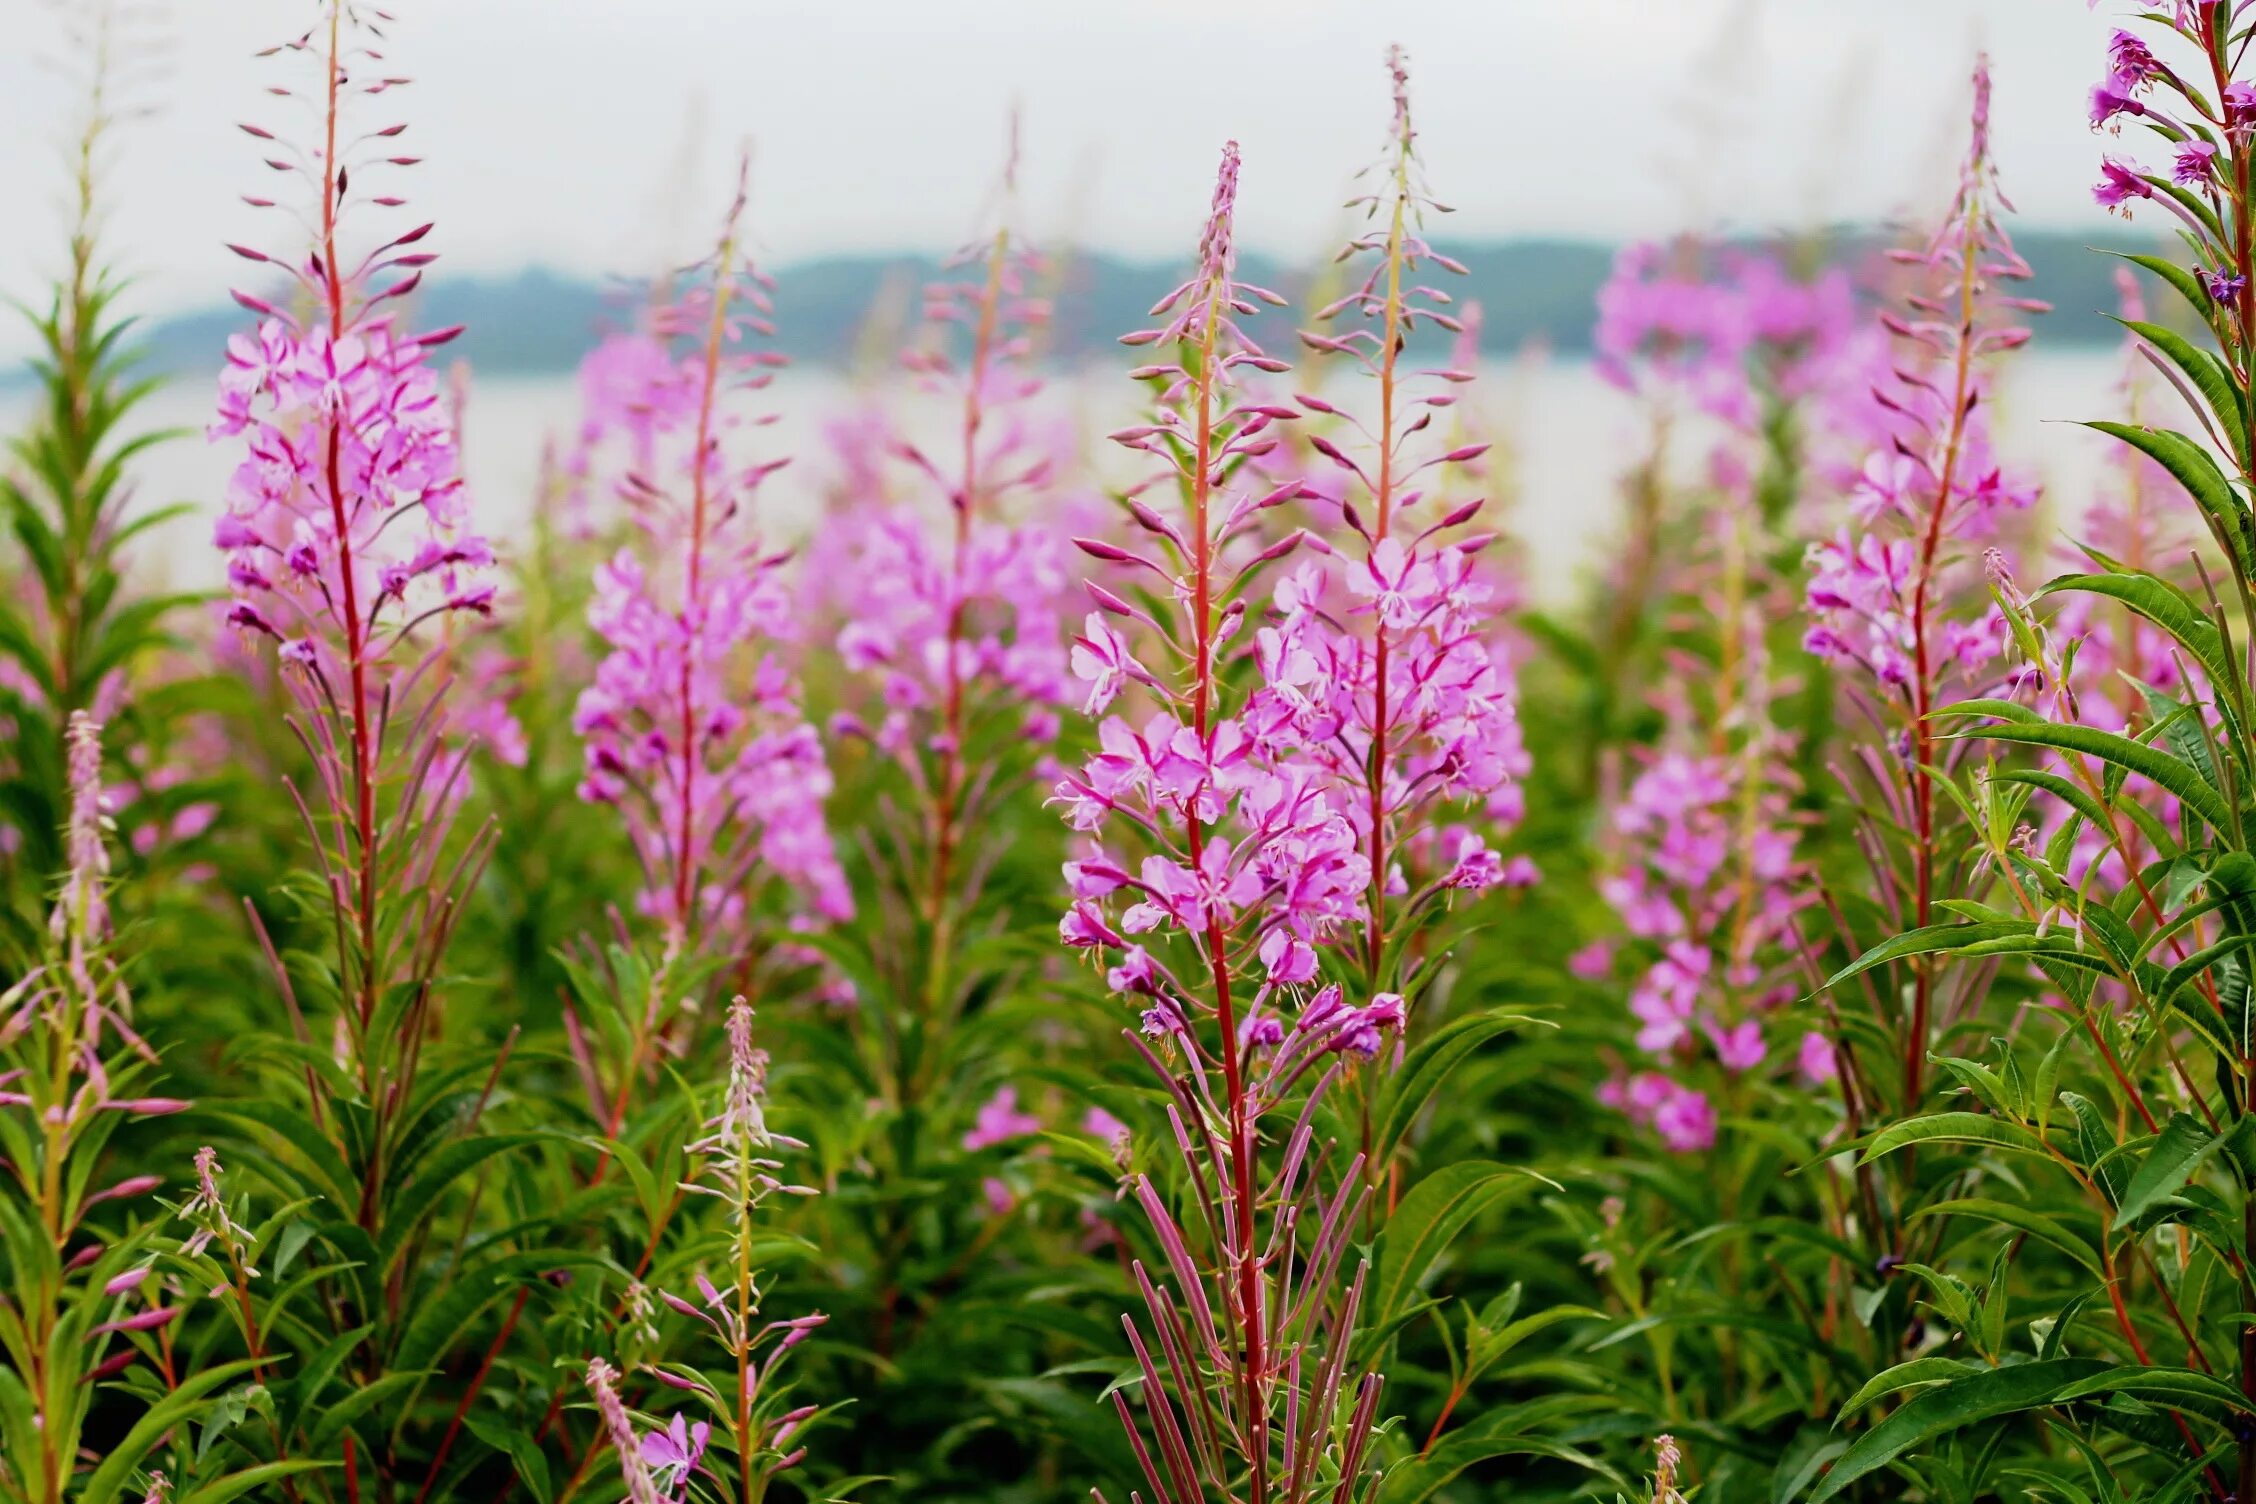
column 2020, row 1219
column 2193, row 468
column 1934, row 939
column 1425, row 1071
column 2208, row 377
column 2178, row 1151
column 1437, row 1209
column 2171, row 773
column 1950, row 1407
column 1954, row 1128
column 2159, row 602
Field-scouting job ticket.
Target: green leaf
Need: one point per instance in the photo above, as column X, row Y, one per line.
column 235, row 1485
column 2151, row 763
column 2170, row 1386
column 2178, row 1151
column 1904, row 1376
column 2208, row 378
column 1953, row 1406
column 2187, row 285
column 1930, row 940
column 2022, row 1220
column 404, row 1212
column 2161, row 603
column 358, row 1403
column 1503, row 1432
column 182, row 1403
column 1425, row 1222
column 2192, row 467
column 1426, row 1069
column 1953, row 1128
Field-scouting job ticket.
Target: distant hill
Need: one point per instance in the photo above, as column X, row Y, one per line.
column 837, row 309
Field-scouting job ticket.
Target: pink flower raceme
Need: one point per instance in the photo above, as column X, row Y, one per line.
column 1709, row 890
column 79, row 998
column 1731, row 330
column 1246, row 844
column 603, row 1383
column 344, row 527
column 1891, row 599
column 718, row 773
column 1383, row 670
column 349, row 546
column 735, row 1163
column 1880, row 594
column 1220, row 856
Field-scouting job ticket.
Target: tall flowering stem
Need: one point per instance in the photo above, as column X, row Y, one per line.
column 951, row 599
column 1001, row 315
column 736, row 1164
column 1704, row 872
column 347, row 544
column 1248, row 864
column 2119, row 903
column 1408, row 707
column 720, row 781
column 76, row 632
column 1886, row 596
column 692, row 728
column 70, row 1067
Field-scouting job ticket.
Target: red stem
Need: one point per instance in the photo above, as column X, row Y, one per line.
column 1217, row 950
column 685, row 868
column 470, row 1396
column 1922, row 685
column 949, row 785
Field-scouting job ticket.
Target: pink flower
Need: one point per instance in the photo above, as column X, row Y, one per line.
column 1000, row 1121
column 1102, row 659
column 1100, row 1124
column 1815, row 1059
column 673, row 1454
column 693, row 726
column 1740, row 1047
column 1686, row 1122
column 2119, row 183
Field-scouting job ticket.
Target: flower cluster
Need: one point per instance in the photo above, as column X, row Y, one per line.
column 1250, row 852
column 345, row 528
column 1711, row 896
column 720, row 776
column 1881, row 590
column 1382, row 665
column 1730, row 329
column 902, row 591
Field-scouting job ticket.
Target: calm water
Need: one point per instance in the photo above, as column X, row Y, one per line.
column 1570, row 434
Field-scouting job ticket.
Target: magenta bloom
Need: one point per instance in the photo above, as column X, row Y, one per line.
column 673, row 1454
column 1000, row 1121
column 693, row 726
column 2119, row 182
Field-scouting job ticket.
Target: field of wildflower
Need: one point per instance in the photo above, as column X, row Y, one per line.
column 1136, row 955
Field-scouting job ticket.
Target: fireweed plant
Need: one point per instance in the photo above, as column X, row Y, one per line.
column 85, row 1304
column 1891, row 901
column 1748, row 367
column 2139, row 1362
column 347, row 551
column 1274, row 789
column 948, row 587
column 694, row 734
column 1704, row 872
column 692, row 725
column 72, row 632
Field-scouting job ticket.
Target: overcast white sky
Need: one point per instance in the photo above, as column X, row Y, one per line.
column 552, row 128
